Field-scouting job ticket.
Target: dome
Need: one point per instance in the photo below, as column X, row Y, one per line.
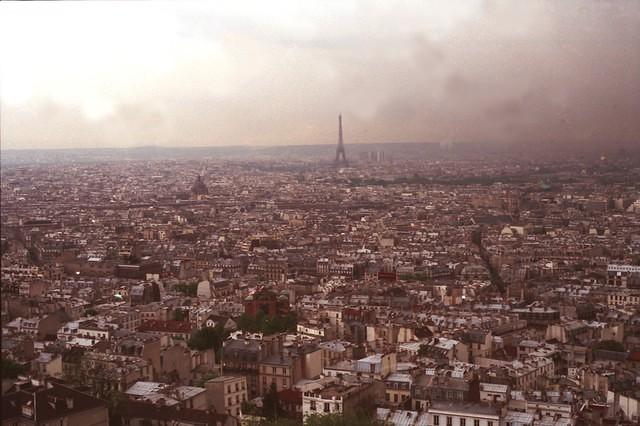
column 199, row 188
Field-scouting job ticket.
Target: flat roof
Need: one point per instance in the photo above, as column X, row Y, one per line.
column 223, row 379
column 465, row 407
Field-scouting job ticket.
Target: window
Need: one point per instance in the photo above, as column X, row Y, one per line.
column 449, row 421
column 274, row 370
column 395, row 397
column 228, row 388
column 312, row 406
column 490, row 423
column 326, row 407
column 476, row 422
column 237, row 399
column 463, row 422
column 237, row 387
column 436, row 420
column 229, row 401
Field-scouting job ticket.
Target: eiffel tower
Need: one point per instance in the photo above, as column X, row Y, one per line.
column 340, row 149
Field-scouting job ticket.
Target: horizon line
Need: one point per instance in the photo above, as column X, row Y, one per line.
column 609, row 145
column 227, row 146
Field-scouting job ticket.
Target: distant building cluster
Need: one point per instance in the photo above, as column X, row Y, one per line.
column 484, row 292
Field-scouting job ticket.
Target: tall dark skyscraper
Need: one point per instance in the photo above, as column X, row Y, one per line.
column 340, row 149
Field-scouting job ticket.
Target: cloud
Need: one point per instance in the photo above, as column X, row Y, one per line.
column 125, row 74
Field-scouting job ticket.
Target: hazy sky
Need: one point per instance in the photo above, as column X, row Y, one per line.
column 86, row 74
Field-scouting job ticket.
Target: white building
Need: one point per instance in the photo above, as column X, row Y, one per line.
column 447, row 413
column 624, row 298
column 342, row 397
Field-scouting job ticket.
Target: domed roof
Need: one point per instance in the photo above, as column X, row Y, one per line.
column 199, row 188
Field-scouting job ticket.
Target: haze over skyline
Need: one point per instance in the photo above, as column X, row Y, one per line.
column 122, row 74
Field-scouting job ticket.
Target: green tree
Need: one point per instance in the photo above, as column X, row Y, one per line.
column 267, row 325
column 271, row 408
column 476, row 237
column 180, row 315
column 11, row 369
column 114, row 404
column 414, row 277
column 33, row 255
column 212, row 374
column 208, row 338
column 249, row 408
column 188, row 289
column 274, row 422
column 4, row 247
column 610, row 345
column 423, row 350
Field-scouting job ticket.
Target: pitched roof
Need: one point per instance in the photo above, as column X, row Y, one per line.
column 48, row 402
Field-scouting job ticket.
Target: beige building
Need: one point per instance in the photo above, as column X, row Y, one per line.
column 377, row 366
column 493, row 392
column 398, row 389
column 49, row 364
column 531, row 373
column 226, row 394
column 286, row 369
column 624, row 298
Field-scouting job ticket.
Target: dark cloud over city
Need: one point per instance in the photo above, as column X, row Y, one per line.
column 199, row 74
